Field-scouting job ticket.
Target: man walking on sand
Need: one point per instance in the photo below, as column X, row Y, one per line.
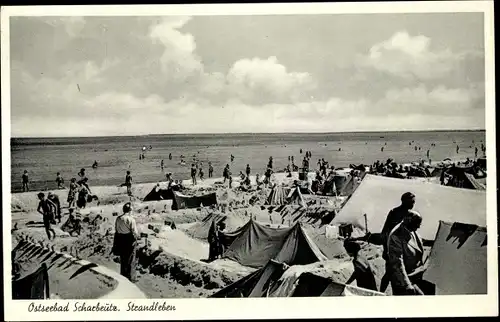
column 405, row 249
column 394, row 218
column 47, row 208
column 26, row 181
column 125, row 241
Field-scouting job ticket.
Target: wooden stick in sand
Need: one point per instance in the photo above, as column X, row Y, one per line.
column 366, row 223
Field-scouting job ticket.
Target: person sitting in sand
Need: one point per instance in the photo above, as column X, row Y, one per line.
column 59, row 181
column 242, row 176
column 55, row 199
column 363, row 273
column 47, row 209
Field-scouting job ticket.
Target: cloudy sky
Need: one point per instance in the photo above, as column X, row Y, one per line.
column 88, row 76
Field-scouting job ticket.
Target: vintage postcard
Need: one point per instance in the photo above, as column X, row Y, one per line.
column 249, row 161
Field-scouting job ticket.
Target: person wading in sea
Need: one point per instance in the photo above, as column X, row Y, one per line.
column 125, row 241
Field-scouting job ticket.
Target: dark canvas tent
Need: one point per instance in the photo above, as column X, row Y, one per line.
column 181, row 201
column 458, row 260
column 463, row 177
column 297, row 249
column 255, row 244
column 311, row 285
column 32, row 287
column 159, row 194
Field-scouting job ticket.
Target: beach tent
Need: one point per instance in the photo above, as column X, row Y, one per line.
column 277, row 196
column 463, row 177
column 312, row 285
column 181, row 201
column 297, row 249
column 159, row 194
column 295, row 197
column 377, row 195
column 458, row 260
column 255, row 244
column 200, row 229
column 32, row 287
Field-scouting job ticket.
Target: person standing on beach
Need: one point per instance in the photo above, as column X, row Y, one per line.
column 210, row 170
column 162, row 165
column 170, row 156
column 201, row 173
column 270, row 163
column 248, row 170
column 232, row 158
column 193, row 174
column 225, row 173
column 26, row 181
column 405, row 249
column 73, row 187
column 394, row 218
column 55, row 199
column 47, row 208
column 128, row 183
column 475, row 152
column 59, row 181
column 125, row 241
column 458, row 148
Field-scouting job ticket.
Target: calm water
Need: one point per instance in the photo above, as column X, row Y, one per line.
column 44, row 157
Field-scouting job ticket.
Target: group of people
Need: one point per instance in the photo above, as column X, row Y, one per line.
column 403, row 250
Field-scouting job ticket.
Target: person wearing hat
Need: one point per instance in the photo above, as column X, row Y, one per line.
column 405, row 249
column 126, row 235
column 55, row 199
column 47, row 208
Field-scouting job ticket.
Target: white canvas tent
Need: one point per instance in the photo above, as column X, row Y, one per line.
column 458, row 260
column 377, row 195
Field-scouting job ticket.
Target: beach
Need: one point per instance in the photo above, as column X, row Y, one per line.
column 44, row 157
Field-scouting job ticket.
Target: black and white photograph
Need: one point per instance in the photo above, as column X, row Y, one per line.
column 156, row 157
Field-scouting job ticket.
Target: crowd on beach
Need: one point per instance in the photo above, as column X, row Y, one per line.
column 399, row 231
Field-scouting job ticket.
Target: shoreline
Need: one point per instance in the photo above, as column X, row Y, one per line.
column 209, row 182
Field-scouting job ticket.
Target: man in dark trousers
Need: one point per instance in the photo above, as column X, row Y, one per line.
column 47, row 208
column 394, row 217
column 405, row 249
column 55, row 199
column 124, row 244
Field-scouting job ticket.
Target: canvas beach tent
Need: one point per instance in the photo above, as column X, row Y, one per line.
column 457, row 264
column 297, row 249
column 182, row 201
column 295, row 197
column 32, row 287
column 158, row 193
column 311, row 285
column 254, row 244
column 377, row 195
column 277, row 196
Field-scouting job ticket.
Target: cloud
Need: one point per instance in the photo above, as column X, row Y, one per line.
column 145, row 75
column 409, row 56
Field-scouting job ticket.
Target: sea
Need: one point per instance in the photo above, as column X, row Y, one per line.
column 44, row 157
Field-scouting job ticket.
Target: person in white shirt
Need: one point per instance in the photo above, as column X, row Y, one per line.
column 126, row 236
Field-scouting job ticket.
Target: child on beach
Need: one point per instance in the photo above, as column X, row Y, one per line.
column 59, row 181
column 201, row 174
column 363, row 274
column 25, row 181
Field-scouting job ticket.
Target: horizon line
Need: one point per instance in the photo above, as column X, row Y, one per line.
column 249, row 133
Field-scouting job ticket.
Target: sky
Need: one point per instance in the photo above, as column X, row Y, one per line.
column 99, row 76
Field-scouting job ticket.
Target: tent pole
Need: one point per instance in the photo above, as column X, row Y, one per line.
column 366, row 223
